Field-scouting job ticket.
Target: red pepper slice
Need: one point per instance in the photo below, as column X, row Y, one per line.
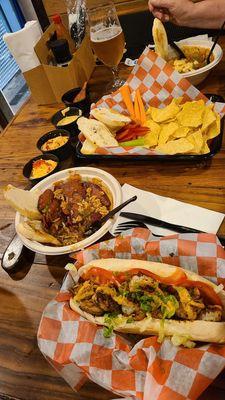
column 207, row 292
column 127, row 135
column 142, row 128
column 122, row 134
column 128, row 126
column 141, row 133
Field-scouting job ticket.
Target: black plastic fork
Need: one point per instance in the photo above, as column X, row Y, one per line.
column 124, row 226
column 98, row 224
column 177, row 48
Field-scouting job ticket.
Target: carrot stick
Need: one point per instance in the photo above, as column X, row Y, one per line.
column 125, row 92
column 137, row 109
column 141, row 107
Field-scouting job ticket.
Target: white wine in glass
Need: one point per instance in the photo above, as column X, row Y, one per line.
column 107, row 39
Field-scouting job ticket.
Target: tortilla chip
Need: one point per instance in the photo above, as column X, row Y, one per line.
column 205, row 148
column 178, row 100
column 167, row 132
column 151, row 139
column 152, row 125
column 166, row 113
column 178, row 146
column 208, row 118
column 214, row 129
column 197, row 140
column 182, row 131
column 191, row 114
column 149, row 111
column 211, row 106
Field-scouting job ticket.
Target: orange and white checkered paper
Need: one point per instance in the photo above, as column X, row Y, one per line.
column 148, row 369
column 158, row 83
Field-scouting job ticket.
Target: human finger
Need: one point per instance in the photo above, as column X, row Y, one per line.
column 158, row 14
column 160, row 3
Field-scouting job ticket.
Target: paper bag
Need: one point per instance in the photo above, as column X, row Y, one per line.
column 48, row 83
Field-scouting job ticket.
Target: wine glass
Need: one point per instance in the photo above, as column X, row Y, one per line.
column 107, row 39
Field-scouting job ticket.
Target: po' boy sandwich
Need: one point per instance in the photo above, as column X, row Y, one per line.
column 150, row 298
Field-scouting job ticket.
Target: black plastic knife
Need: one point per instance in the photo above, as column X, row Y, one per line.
column 157, row 222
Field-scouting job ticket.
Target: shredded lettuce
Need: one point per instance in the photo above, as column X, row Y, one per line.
column 179, row 340
column 107, row 331
column 130, row 320
column 136, row 295
column 72, row 270
column 70, row 267
column 109, row 317
column 170, row 306
column 161, row 332
column 112, row 320
column 145, row 303
column 123, row 292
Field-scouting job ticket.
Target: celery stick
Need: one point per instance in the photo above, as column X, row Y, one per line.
column 133, row 143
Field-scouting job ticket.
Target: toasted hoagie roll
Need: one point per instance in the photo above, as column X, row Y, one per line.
column 150, row 298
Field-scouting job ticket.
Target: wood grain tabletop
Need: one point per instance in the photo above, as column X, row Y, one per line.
column 24, row 373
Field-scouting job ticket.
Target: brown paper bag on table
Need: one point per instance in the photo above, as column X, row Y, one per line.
column 48, row 83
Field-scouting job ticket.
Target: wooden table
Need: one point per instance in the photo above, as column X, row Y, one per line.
column 24, row 373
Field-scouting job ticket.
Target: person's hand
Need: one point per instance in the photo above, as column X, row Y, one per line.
column 177, row 11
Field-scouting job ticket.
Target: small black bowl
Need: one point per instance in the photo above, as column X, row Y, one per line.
column 62, row 152
column 28, row 166
column 72, row 127
column 84, row 105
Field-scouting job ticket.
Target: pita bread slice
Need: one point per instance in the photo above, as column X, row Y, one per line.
column 23, row 201
column 88, row 147
column 111, row 118
column 96, row 132
column 33, row 230
column 160, row 39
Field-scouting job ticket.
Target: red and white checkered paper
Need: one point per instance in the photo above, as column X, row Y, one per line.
column 78, row 350
column 158, row 83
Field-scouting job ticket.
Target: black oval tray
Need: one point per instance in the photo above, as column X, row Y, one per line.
column 215, row 147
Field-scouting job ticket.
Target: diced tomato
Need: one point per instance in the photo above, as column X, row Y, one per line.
column 174, row 279
column 207, row 292
column 103, row 275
